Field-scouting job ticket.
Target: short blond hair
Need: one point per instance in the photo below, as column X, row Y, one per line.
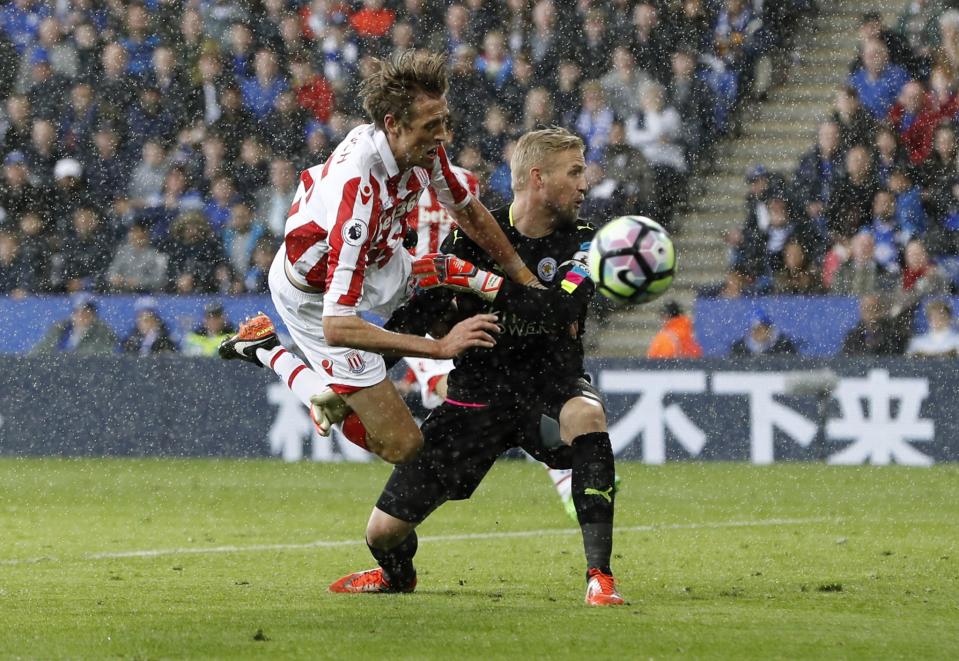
column 534, row 149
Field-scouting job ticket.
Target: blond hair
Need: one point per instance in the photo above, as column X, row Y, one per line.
column 394, row 83
column 534, row 149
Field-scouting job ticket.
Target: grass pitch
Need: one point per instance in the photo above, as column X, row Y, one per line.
column 152, row 559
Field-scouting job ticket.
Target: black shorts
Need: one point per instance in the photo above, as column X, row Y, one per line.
column 462, row 443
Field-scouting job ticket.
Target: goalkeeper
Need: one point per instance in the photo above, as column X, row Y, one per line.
column 499, row 398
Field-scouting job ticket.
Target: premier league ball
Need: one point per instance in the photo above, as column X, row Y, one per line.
column 632, row 260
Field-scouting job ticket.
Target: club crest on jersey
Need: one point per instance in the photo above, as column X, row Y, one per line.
column 356, row 362
column 546, row 269
column 354, row 232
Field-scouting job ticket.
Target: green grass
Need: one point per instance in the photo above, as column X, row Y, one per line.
column 871, row 571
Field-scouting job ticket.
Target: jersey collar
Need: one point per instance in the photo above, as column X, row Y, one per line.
column 383, row 149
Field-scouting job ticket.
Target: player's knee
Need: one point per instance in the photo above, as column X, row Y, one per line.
column 385, row 532
column 581, row 416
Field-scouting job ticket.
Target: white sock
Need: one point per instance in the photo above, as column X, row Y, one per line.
column 297, row 376
column 562, row 480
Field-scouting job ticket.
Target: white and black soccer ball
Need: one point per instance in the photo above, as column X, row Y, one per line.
column 632, row 260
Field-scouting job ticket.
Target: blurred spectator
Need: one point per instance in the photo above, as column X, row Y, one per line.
column 871, row 27
column 107, row 171
column 251, row 171
column 888, row 153
column 86, row 253
column 740, row 40
column 949, row 45
column 862, row 274
column 150, row 119
column 149, row 334
column 656, row 133
column 35, row 246
column 82, row 333
column 888, row 238
column 695, row 104
column 240, row 237
column 43, row 152
column 222, row 197
column 915, row 119
column 565, row 93
column 676, row 338
column 650, row 42
column 196, row 260
column 68, row 194
column 371, row 24
column 138, row 40
column 938, row 170
column 943, row 235
column 313, row 92
column 876, row 333
column 538, row 112
column 591, row 51
column 517, row 87
column 256, row 278
column 594, row 121
column 146, row 182
column 693, row 26
column 920, row 278
column 850, row 203
column 205, row 338
column 545, row 48
column 261, row 90
column 798, row 275
column 8, row 65
column 763, row 339
column 909, row 212
column 941, row 339
column 17, row 194
column 78, row 121
column 818, row 170
column 137, row 266
column 629, row 168
column 18, row 124
column 623, row 83
column 918, row 23
column 116, row 89
column 272, row 202
column 877, row 82
column 16, row 275
column 856, row 125
column 495, row 63
column 174, row 88
column 47, row 89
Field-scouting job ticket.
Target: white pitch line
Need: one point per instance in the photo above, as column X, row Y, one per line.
column 325, row 544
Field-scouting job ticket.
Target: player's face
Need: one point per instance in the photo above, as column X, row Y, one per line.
column 415, row 143
column 564, row 185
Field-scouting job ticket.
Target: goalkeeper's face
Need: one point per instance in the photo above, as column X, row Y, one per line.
column 564, row 185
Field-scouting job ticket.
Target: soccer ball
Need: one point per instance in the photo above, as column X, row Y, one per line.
column 631, row 260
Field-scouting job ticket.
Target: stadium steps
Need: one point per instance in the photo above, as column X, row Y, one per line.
column 774, row 133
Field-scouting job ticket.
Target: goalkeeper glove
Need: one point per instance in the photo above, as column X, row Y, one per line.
column 439, row 270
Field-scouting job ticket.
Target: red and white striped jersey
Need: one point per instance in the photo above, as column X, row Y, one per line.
column 430, row 219
column 348, row 216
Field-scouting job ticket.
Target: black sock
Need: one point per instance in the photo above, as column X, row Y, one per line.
column 593, row 495
column 397, row 562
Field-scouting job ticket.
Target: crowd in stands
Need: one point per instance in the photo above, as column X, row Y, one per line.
column 872, row 210
column 155, row 145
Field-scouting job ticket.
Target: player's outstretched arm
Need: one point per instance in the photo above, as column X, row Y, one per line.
column 355, row 332
column 557, row 306
column 476, row 220
column 479, row 225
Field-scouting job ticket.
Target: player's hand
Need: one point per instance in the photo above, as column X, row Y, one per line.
column 477, row 331
column 459, row 193
column 439, row 270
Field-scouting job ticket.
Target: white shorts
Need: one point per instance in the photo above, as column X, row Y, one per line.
column 345, row 370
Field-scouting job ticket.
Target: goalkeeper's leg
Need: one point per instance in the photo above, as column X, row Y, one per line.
column 582, row 424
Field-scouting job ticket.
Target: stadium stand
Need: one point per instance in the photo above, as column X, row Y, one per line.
column 171, row 130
